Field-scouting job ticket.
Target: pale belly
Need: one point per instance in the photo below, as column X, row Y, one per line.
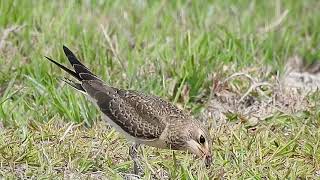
column 158, row 143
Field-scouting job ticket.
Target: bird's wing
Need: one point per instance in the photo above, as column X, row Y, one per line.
column 150, row 107
column 113, row 103
column 123, row 113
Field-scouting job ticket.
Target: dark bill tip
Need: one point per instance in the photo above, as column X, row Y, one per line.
column 208, row 161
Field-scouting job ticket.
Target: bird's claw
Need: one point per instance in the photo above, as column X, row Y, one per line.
column 137, row 167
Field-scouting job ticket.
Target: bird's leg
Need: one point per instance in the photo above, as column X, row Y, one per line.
column 137, row 167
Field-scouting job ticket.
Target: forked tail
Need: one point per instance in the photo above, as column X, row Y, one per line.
column 81, row 72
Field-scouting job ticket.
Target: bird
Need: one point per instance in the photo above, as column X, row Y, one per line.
column 142, row 118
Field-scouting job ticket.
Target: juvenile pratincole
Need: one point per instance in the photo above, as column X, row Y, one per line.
column 142, row 118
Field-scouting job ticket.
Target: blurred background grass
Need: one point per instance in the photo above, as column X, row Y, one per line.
column 152, row 46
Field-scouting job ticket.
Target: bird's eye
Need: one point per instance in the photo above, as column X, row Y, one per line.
column 202, row 139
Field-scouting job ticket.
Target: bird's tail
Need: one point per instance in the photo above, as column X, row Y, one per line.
column 81, row 72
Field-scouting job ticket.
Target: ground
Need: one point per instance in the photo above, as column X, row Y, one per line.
column 248, row 69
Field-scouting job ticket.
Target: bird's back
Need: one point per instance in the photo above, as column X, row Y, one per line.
column 143, row 117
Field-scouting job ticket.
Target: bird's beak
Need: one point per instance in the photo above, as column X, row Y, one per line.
column 208, row 160
column 201, row 152
column 206, row 156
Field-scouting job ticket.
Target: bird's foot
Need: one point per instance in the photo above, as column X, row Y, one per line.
column 137, row 167
column 131, row 177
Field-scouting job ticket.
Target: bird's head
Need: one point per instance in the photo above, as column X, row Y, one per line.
column 199, row 142
column 194, row 137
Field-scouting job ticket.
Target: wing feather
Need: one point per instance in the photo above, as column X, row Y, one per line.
column 133, row 114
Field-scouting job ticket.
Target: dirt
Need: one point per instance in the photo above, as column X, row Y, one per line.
column 242, row 98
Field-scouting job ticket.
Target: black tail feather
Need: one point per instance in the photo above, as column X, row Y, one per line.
column 71, row 57
column 81, row 72
column 74, row 84
column 74, row 74
column 81, row 69
column 77, row 65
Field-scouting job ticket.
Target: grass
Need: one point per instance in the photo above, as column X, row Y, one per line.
column 159, row 47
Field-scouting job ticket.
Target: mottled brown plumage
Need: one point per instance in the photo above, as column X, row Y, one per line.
column 145, row 119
